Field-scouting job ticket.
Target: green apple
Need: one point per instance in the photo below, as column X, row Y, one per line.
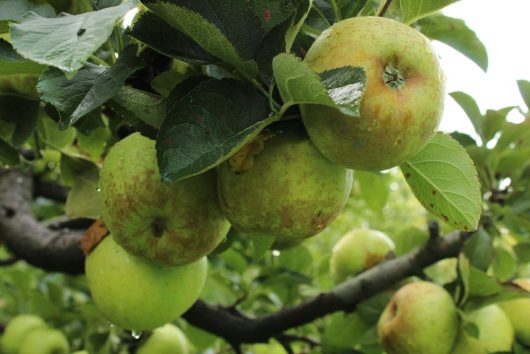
column 495, row 333
column 518, row 311
column 167, row 339
column 44, row 341
column 403, row 102
column 357, row 251
column 421, row 317
column 17, row 329
column 280, row 185
column 170, row 223
column 137, row 294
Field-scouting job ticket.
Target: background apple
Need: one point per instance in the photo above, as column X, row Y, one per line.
column 518, row 311
column 17, row 329
column 167, row 339
column 357, row 251
column 403, row 102
column 421, row 317
column 282, row 186
column 45, row 341
column 139, row 295
column 170, row 223
column 495, row 333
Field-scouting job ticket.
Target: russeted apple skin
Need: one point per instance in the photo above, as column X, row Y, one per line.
column 394, row 124
column 15, row 331
column 291, row 191
column 136, row 294
column 45, row 340
column 518, row 311
column 496, row 333
column 170, row 223
column 167, row 339
column 421, row 317
column 357, row 251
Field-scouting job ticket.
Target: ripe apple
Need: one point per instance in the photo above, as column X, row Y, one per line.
column 403, row 102
column 495, row 333
column 17, row 329
column 280, row 185
column 137, row 294
column 167, row 339
column 170, row 223
column 518, row 311
column 357, row 251
column 421, row 317
column 44, row 340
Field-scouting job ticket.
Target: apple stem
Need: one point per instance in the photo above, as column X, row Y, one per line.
column 384, row 8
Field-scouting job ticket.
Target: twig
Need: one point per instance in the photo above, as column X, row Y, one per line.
column 384, row 8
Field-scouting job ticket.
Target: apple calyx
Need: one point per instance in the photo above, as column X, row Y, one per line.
column 393, row 77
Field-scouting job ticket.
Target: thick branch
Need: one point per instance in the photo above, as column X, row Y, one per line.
column 28, row 239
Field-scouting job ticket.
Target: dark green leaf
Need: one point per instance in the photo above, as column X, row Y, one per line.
column 261, row 244
column 479, row 250
column 350, row 8
column 208, row 125
column 455, row 33
column 12, row 63
column 73, row 167
column 136, row 106
column 173, row 43
column 23, row 113
column 340, row 88
column 90, row 88
column 493, row 122
column 8, row 154
column 444, row 179
column 463, row 139
column 481, row 284
column 61, row 41
column 471, row 329
column 469, row 106
column 522, row 250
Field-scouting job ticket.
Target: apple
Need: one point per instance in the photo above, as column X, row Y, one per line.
column 167, row 339
column 518, row 312
column 495, row 333
column 20, row 85
column 280, row 185
column 137, row 294
column 421, row 317
column 17, row 329
column 403, row 102
column 44, row 340
column 170, row 223
column 357, row 251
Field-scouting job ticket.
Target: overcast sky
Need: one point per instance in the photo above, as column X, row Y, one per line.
column 504, row 28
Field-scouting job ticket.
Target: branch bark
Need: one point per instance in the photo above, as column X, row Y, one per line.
column 59, row 250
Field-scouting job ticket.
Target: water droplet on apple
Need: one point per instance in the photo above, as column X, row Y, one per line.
column 136, row 335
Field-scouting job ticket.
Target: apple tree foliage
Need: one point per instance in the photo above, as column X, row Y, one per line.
column 203, row 78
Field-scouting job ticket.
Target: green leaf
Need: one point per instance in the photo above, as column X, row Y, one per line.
column 50, row 134
column 207, row 34
column 297, row 259
column 413, row 10
column 134, row 105
column 494, row 121
column 209, row 125
column 302, row 11
column 90, row 88
column 375, row 188
column 65, row 42
column 471, row 108
column 261, row 244
column 340, row 88
column 8, row 154
column 522, row 250
column 455, row 33
column 479, row 250
column 23, row 113
column 444, row 179
column 481, row 284
column 173, row 43
column 504, row 264
column 344, row 330
column 13, row 10
column 73, row 167
column 350, row 8
column 524, row 89
column 83, row 199
column 12, row 63
column 408, row 239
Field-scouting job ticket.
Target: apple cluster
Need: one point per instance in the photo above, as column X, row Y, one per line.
column 284, row 183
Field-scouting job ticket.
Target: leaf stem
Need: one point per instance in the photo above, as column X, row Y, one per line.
column 318, row 11
column 273, row 105
column 336, row 11
column 98, row 60
column 384, row 7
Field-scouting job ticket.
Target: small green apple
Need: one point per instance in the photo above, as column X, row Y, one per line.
column 518, row 311
column 357, row 251
column 45, row 341
column 167, row 339
column 495, row 333
column 137, row 294
column 170, row 223
column 422, row 318
column 403, row 102
column 17, row 329
column 280, row 185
